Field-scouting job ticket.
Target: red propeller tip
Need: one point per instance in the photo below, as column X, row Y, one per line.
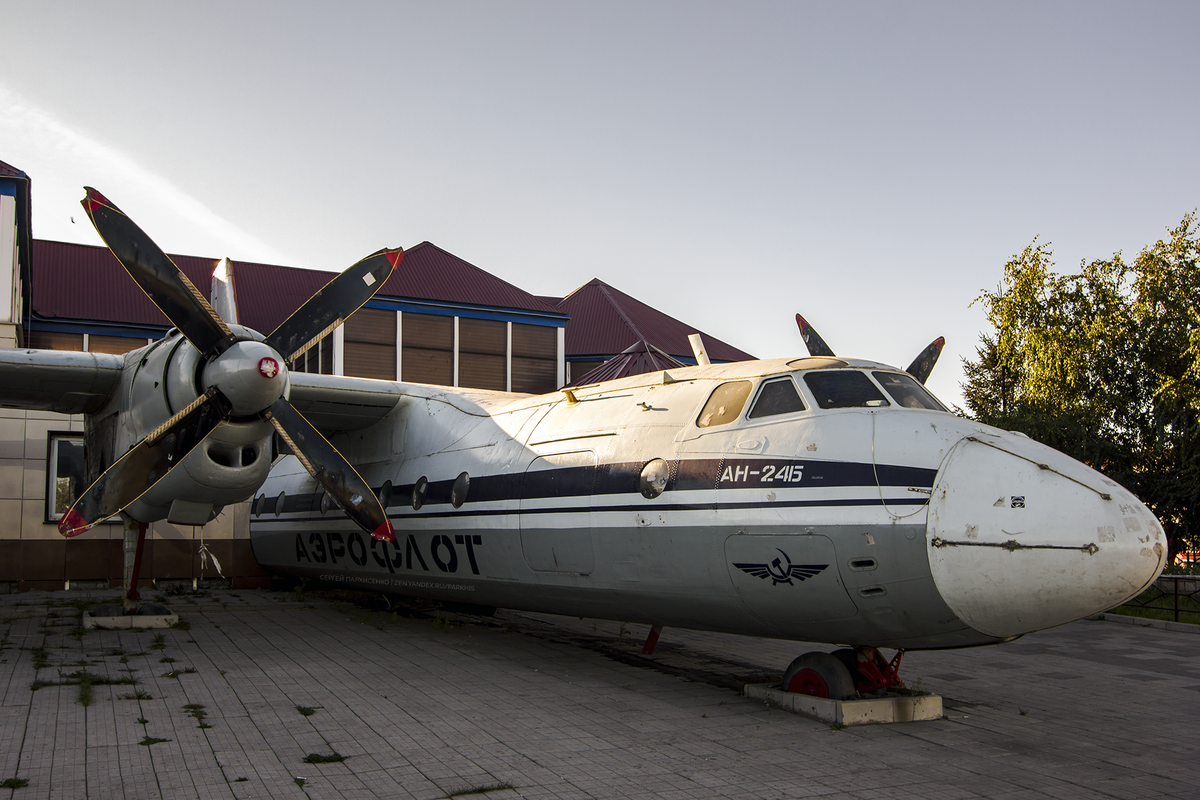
column 93, row 200
column 72, row 523
column 385, row 532
column 801, row 322
column 394, row 256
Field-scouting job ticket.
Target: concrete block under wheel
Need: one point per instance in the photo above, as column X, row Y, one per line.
column 112, row 617
column 893, row 708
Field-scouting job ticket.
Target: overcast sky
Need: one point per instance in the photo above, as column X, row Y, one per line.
column 870, row 165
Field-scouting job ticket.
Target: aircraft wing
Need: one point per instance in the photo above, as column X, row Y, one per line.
column 65, row 381
column 334, row 404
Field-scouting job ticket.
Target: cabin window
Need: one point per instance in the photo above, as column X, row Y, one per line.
column 844, row 389
column 907, row 392
column 776, row 397
column 724, row 404
column 65, row 469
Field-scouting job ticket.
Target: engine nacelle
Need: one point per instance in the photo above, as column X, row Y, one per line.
column 227, row 467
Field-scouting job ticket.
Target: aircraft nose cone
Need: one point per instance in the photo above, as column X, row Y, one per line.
column 1022, row 537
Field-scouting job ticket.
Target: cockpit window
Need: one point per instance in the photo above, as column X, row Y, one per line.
column 844, row 389
column 776, row 397
column 724, row 404
column 907, row 392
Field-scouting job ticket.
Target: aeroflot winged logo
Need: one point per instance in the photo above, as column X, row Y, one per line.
column 782, row 570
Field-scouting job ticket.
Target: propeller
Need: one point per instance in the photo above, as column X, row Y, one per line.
column 922, row 365
column 812, row 340
column 242, row 377
column 920, row 368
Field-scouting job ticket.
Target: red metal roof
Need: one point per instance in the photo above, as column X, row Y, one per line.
column 85, row 282
column 9, row 171
column 637, row 360
column 607, row 321
column 79, row 281
column 430, row 273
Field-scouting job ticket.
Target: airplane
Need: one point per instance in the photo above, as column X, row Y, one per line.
column 816, row 499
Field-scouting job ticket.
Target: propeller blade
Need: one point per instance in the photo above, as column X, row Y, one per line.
column 162, row 281
column 331, row 306
column 331, row 469
column 812, row 340
column 136, row 472
column 922, row 365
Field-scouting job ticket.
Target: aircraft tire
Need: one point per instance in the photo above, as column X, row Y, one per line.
column 820, row 675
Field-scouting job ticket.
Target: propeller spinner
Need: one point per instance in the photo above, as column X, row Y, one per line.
column 241, row 377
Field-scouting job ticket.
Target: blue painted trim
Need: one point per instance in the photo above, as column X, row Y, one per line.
column 444, row 310
column 99, row 329
column 8, row 187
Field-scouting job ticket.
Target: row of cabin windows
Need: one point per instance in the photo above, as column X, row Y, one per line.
column 427, row 348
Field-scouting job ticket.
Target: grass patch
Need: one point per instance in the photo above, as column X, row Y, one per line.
column 142, row 721
column 197, row 711
column 85, row 681
column 160, row 642
column 491, row 787
column 166, row 660
column 149, row 740
column 181, row 625
column 317, row 758
column 306, row 711
column 41, row 658
column 14, row 783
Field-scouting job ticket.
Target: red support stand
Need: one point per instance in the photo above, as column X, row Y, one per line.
column 132, row 596
column 651, row 640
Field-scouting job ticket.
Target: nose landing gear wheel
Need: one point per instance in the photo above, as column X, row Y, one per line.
column 819, row 675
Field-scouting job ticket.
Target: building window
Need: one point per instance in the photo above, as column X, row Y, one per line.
column 482, row 354
column 65, row 469
column 317, row 359
column 534, row 358
column 53, row 340
column 369, row 349
column 427, row 351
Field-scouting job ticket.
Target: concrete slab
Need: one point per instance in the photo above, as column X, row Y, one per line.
column 423, row 707
column 883, row 710
column 111, row 616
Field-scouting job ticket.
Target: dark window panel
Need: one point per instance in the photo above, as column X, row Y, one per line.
column 427, row 366
column 365, row 360
column 52, row 340
column 373, row 325
column 533, row 375
column 534, row 341
column 482, row 336
column 115, row 345
column 428, row 332
column 481, row 371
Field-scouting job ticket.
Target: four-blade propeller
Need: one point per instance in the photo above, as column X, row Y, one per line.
column 242, row 377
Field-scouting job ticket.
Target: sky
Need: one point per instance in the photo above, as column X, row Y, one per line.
column 869, row 165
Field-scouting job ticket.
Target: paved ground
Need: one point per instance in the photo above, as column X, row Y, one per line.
column 423, row 708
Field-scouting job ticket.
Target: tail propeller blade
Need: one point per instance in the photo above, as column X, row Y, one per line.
column 154, row 457
column 812, row 340
column 922, row 365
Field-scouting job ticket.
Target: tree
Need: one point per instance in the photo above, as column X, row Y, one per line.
column 1104, row 364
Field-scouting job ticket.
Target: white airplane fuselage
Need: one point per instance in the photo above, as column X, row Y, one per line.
column 874, row 524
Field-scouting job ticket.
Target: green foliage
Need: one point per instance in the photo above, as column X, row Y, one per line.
column 317, row 758
column 1104, row 364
